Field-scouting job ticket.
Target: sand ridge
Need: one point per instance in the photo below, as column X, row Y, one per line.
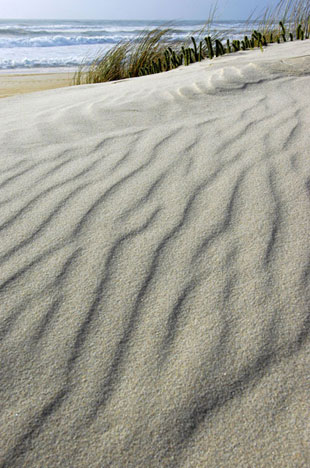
column 155, row 259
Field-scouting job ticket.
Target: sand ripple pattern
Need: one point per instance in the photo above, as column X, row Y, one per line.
column 155, row 272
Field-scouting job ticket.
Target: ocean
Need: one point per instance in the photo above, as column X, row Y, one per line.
column 51, row 45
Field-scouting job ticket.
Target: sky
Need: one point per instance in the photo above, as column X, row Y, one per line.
column 129, row 9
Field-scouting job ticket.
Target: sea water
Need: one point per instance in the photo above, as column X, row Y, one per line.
column 51, row 45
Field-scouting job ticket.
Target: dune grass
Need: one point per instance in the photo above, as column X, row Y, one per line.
column 154, row 52
column 125, row 59
column 292, row 14
column 129, row 59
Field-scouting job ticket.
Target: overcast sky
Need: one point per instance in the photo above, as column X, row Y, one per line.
column 128, row 9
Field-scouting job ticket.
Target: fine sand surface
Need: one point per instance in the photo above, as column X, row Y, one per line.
column 155, row 269
column 11, row 84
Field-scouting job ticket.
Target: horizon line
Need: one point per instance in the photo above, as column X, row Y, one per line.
column 115, row 19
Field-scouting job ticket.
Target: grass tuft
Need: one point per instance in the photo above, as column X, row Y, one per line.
column 153, row 51
column 126, row 59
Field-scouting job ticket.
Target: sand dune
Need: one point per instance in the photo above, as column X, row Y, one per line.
column 155, row 269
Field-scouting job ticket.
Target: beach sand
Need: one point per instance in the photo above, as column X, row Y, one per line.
column 11, row 84
column 155, row 269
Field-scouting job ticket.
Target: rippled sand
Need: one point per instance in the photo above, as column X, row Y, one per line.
column 155, row 269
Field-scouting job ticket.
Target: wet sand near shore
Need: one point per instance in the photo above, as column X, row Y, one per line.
column 12, row 84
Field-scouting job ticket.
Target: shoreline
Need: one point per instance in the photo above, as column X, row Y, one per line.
column 22, row 83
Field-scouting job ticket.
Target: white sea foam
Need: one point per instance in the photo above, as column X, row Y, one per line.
column 41, row 43
column 56, row 41
column 42, row 57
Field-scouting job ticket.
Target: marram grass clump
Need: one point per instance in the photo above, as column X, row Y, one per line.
column 126, row 59
column 153, row 51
